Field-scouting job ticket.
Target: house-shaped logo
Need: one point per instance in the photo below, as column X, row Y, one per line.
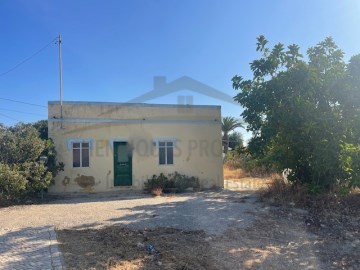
column 162, row 88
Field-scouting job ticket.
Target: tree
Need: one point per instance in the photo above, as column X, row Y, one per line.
column 19, row 144
column 42, row 127
column 236, row 140
column 298, row 112
column 21, row 170
column 229, row 123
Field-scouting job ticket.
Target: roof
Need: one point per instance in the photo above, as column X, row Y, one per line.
column 96, row 103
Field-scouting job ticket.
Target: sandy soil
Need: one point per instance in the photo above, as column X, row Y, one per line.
column 229, row 229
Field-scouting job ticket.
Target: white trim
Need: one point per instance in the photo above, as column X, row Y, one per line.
column 80, row 148
column 112, row 140
column 164, row 139
column 133, row 121
column 70, row 141
column 97, row 103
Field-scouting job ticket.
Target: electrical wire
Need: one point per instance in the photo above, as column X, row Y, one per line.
column 9, row 110
column 28, row 58
column 12, row 118
column 22, row 102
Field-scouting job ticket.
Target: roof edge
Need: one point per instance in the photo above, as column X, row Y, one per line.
column 99, row 103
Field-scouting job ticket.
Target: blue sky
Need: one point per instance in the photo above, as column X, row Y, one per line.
column 113, row 49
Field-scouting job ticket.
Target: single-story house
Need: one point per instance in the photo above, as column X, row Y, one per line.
column 112, row 146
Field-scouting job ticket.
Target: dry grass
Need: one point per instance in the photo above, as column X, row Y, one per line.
column 238, row 179
column 116, row 248
column 230, row 174
column 157, row 191
column 279, row 192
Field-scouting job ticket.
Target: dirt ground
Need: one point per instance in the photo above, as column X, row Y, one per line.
column 233, row 228
column 277, row 238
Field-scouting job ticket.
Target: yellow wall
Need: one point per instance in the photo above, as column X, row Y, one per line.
column 197, row 130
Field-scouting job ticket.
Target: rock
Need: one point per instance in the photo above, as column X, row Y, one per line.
column 140, row 245
column 300, row 211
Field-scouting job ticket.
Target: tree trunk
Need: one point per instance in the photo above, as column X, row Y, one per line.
column 226, row 142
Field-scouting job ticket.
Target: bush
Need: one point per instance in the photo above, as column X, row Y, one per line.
column 282, row 193
column 155, row 182
column 12, row 182
column 241, row 159
column 21, row 147
column 37, row 176
column 174, row 182
column 182, row 182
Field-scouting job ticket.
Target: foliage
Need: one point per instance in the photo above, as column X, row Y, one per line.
column 20, row 149
column 19, row 144
column 173, row 182
column 240, row 158
column 229, row 123
column 236, row 140
column 182, row 182
column 156, row 181
column 37, row 175
column 12, row 182
column 42, row 127
column 303, row 114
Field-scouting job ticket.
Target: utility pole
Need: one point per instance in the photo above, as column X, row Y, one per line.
column 60, row 77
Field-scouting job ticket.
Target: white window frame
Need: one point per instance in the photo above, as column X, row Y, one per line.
column 165, row 147
column 70, row 145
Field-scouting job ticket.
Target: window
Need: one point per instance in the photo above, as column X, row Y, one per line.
column 166, row 153
column 80, row 154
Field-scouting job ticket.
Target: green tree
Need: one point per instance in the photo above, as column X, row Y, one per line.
column 236, row 140
column 49, row 150
column 229, row 123
column 42, row 127
column 20, row 150
column 19, row 144
column 12, row 182
column 296, row 110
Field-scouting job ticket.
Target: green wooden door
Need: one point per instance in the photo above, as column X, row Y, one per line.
column 122, row 164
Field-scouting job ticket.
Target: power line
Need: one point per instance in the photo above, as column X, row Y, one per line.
column 12, row 118
column 28, row 58
column 27, row 103
column 9, row 110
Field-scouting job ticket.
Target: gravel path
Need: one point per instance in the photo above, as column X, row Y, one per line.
column 212, row 212
column 28, row 240
column 243, row 229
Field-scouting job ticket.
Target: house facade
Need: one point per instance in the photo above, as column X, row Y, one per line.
column 114, row 146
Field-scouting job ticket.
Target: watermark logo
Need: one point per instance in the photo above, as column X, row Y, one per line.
column 162, row 88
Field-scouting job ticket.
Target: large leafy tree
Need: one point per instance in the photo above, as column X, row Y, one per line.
column 20, row 168
column 236, row 140
column 304, row 114
column 229, row 123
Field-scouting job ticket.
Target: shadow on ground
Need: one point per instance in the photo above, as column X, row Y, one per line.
column 26, row 248
column 211, row 230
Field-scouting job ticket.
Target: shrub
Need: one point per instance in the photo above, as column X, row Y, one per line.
column 241, row 159
column 182, row 182
column 21, row 147
column 156, row 181
column 156, row 191
column 12, row 182
column 282, row 193
column 174, row 182
column 37, row 176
